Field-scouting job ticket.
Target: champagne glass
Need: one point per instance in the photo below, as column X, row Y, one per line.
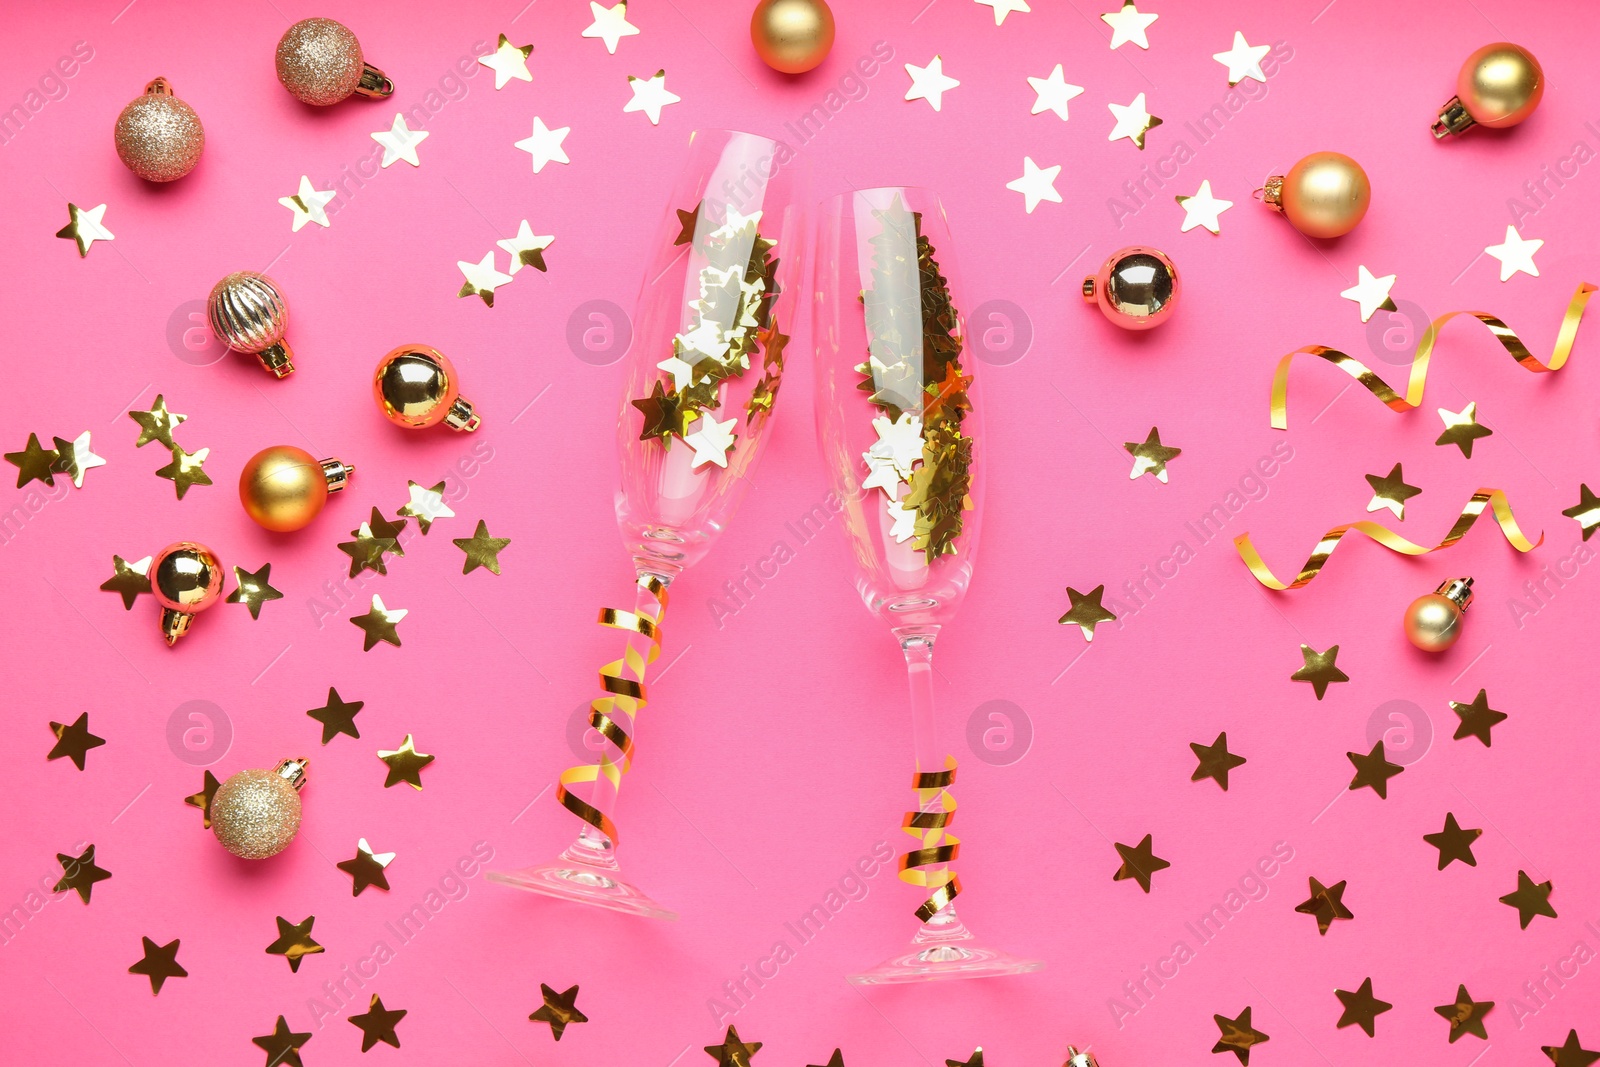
column 702, row 376
column 901, row 432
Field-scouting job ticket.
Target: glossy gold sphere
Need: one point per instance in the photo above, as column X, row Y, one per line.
column 158, row 136
column 1433, row 622
column 186, row 577
column 255, row 814
column 283, row 488
column 1136, row 288
column 319, row 61
column 1500, row 84
column 1325, row 194
column 416, row 387
column 792, row 36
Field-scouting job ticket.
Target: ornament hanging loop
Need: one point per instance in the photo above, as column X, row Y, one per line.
column 374, row 83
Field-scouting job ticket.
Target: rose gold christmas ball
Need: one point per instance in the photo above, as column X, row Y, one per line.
column 158, row 136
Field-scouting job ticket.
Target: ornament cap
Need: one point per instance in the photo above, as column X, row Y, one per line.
column 1088, row 289
column 337, row 473
column 1271, row 193
column 374, row 83
column 278, row 358
column 159, row 86
column 293, row 771
column 461, row 416
column 1453, row 119
column 1075, row 1058
column 174, row 624
column 1457, row 590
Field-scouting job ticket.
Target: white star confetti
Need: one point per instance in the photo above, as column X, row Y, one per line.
column 610, row 24
column 482, row 278
column 1002, row 8
column 711, row 441
column 308, row 204
column 1128, row 24
column 881, row 474
column 508, row 61
column 1036, row 184
column 1515, row 254
column 544, row 144
column 1203, row 209
column 1133, row 121
column 1054, row 93
column 929, row 83
column 1371, row 293
column 400, row 142
column 526, row 249
column 899, row 442
column 905, row 521
column 650, row 95
column 1242, row 60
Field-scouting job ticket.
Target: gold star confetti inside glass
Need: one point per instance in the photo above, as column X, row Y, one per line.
column 902, row 440
column 702, row 378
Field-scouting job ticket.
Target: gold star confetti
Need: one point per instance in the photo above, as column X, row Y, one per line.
column 526, row 249
column 1242, row 60
column 294, row 941
column 1371, row 293
column 1150, row 456
column 1133, row 121
column 1326, row 903
column 186, row 469
column 1202, row 209
column 380, row 624
column 1373, row 770
column 399, row 142
column 368, row 551
column 282, row 1045
column 1036, row 184
column 160, row 962
column 711, row 441
column 75, row 741
column 34, row 463
column 1086, row 611
column 610, row 24
column 366, row 868
column 1215, row 761
column 1361, row 1008
column 202, row 799
column 1477, row 718
column 558, row 1009
column 836, row 1060
column 85, row 227
column 930, row 83
column 482, row 279
column 1530, row 898
column 253, row 589
column 481, row 549
column 377, row 1023
column 1238, row 1036
column 157, row 424
column 976, row 1060
column 1586, row 512
column 337, row 716
column 1054, row 93
column 688, row 222
column 1139, row 862
column 1461, row 428
column 1466, row 1015
column 76, row 458
column 1571, row 1053
column 405, row 764
column 385, row 530
column 1127, row 24
column 1320, row 669
column 1454, row 842
column 650, row 95
column 309, row 204
column 733, row 1052
column 1391, row 491
column 1515, row 254
column 80, row 873
column 128, row 580
column 1002, row 8
column 508, row 61
column 663, row 417
column 426, row 505
column 544, row 144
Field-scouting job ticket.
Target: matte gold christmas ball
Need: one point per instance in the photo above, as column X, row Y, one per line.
column 159, row 137
column 1433, row 621
column 416, row 387
column 186, row 578
column 256, row 813
column 792, row 36
column 1499, row 85
column 283, row 488
column 1136, row 288
column 1324, row 195
column 320, row 62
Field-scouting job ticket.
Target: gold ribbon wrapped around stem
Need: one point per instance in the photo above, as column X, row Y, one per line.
column 936, row 808
column 1493, row 498
column 1419, row 363
column 612, row 715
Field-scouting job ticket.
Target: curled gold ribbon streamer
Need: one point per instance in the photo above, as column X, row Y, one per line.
column 612, row 715
column 1494, row 498
column 936, row 808
column 1419, row 363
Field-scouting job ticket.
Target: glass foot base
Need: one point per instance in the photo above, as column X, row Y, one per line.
column 932, row 961
column 584, row 884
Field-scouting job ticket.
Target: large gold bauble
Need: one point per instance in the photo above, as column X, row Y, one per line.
column 1325, row 194
column 283, row 488
column 792, row 36
column 1500, row 84
column 186, row 577
column 159, row 137
column 416, row 387
column 256, row 813
column 320, row 62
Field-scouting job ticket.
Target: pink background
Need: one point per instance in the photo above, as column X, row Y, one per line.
column 774, row 751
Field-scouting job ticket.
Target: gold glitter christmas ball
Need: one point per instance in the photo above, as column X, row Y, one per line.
column 159, row 137
column 792, row 36
column 256, row 813
column 320, row 62
column 416, row 387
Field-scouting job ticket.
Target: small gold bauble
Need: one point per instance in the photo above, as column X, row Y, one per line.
column 159, row 137
column 186, row 578
column 256, row 813
column 792, row 36
column 1433, row 621
column 320, row 62
column 283, row 488
column 416, row 387
column 1136, row 288
column 1324, row 195
column 248, row 313
column 1500, row 84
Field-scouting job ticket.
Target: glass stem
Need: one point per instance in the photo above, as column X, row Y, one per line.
column 917, row 646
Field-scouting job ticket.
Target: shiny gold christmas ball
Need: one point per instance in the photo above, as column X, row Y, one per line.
column 248, row 313
column 792, row 36
column 1324, row 195
column 320, row 62
column 256, row 813
column 1433, row 621
column 1500, row 84
column 186, row 578
column 416, row 387
column 159, row 137
column 1136, row 288
column 283, row 487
